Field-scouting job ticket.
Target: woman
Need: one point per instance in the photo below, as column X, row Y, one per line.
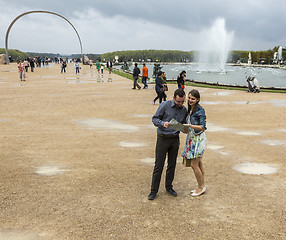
column 196, row 140
column 159, row 87
column 21, row 71
column 181, row 79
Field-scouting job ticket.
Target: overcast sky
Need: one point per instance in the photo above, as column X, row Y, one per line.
column 110, row 25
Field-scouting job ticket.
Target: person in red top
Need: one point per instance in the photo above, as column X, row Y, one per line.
column 21, row 71
column 144, row 75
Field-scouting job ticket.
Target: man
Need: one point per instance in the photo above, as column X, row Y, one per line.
column 167, row 141
column 159, row 87
column 136, row 72
column 144, row 75
column 109, row 66
column 256, row 86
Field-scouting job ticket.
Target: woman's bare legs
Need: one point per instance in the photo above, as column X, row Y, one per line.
column 199, row 171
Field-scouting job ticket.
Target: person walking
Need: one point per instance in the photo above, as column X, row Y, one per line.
column 136, row 72
column 97, row 64
column 167, row 141
column 181, row 79
column 109, row 66
column 64, row 65
column 26, row 65
column 77, row 67
column 144, row 75
column 101, row 68
column 159, row 87
column 21, row 71
column 90, row 63
column 165, row 87
column 196, row 140
column 32, row 64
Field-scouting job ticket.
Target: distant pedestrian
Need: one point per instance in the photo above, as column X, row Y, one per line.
column 32, row 64
column 144, row 75
column 181, row 80
column 26, row 65
column 90, row 63
column 97, row 64
column 77, row 67
column 165, row 86
column 64, row 65
column 109, row 66
column 21, row 71
column 136, row 72
column 101, row 68
column 159, row 87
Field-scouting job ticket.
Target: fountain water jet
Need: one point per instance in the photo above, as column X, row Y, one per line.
column 216, row 47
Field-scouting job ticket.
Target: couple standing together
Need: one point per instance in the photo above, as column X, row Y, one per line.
column 168, row 140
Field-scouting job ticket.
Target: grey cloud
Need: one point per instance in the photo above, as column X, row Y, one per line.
column 257, row 20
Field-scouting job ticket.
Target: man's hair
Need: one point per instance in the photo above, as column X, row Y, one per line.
column 143, row 64
column 179, row 92
column 135, row 64
column 160, row 73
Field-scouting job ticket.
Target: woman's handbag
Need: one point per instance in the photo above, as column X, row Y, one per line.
column 183, row 86
column 186, row 162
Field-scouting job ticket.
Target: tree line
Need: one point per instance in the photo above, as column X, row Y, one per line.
column 15, row 54
column 158, row 55
column 188, row 56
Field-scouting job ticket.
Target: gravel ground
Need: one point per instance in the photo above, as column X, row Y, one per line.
column 77, row 154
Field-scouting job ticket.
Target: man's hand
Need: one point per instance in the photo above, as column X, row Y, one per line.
column 166, row 124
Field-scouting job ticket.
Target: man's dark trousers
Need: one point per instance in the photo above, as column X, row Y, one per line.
column 165, row 145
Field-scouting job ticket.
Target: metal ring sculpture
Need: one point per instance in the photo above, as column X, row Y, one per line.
column 23, row 14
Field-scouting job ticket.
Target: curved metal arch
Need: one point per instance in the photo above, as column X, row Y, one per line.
column 23, row 14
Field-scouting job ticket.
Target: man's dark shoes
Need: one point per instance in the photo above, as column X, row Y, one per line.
column 151, row 196
column 172, row 192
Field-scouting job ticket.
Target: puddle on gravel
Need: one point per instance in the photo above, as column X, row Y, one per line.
column 278, row 102
column 246, row 133
column 132, row 144
column 241, row 102
column 211, row 103
column 106, row 124
column 75, row 81
column 214, row 147
column 141, row 115
column 150, row 126
column 223, row 93
column 17, row 235
column 274, row 142
column 47, row 76
column 254, row 168
column 49, row 170
column 149, row 161
column 213, row 128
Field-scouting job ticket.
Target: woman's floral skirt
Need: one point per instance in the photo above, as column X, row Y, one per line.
column 195, row 145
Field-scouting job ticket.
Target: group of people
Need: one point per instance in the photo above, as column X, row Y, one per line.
column 100, row 67
column 161, row 87
column 253, row 85
column 136, row 73
column 194, row 119
column 31, row 62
